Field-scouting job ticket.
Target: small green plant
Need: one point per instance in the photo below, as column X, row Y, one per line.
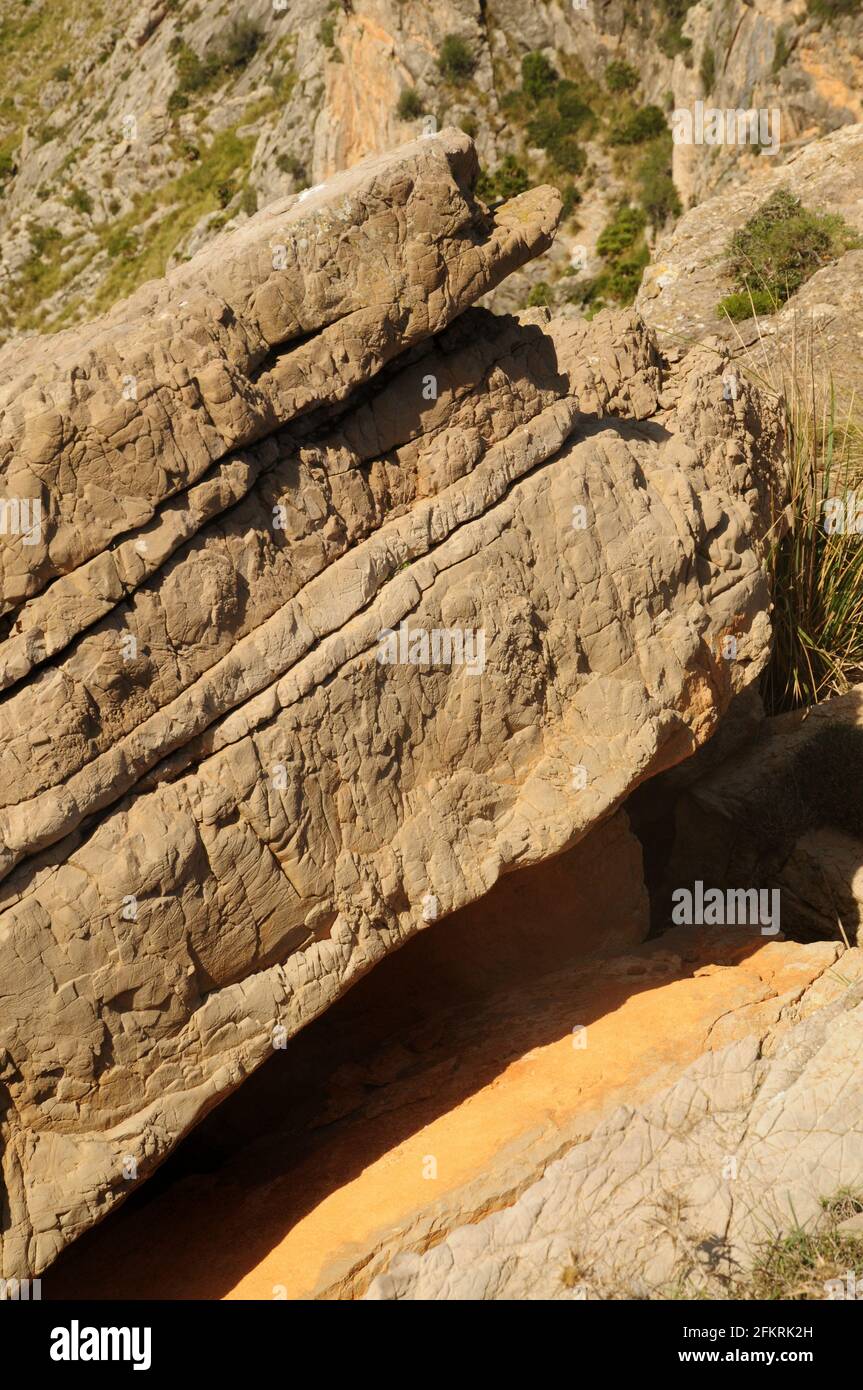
column 249, row 201
column 620, row 76
column 778, row 250
column 556, row 123
column 327, row 32
column 832, row 9
column 240, row 44
column 80, row 200
column 707, row 69
column 782, row 51
column 746, row 304
column 122, row 243
column 540, row 295
column 289, row 164
column 410, row 106
column 42, row 238
column 621, row 232
column 230, row 53
column 63, row 73
column 622, row 246
column 456, row 60
column 538, row 77
column 508, row 180
column 671, row 40
column 645, row 123
column 658, row 195
column 570, row 197
column 8, row 167
column 225, row 192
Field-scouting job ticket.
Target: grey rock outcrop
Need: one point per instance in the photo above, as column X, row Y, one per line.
column 677, row 1196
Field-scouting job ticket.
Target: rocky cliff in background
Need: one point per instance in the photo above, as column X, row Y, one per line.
column 341, row 600
column 127, row 141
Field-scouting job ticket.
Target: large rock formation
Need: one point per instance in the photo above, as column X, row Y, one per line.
column 342, row 601
column 442, row 1087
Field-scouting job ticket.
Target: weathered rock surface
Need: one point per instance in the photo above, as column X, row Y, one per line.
column 437, row 1091
column 681, row 1191
column 220, row 806
column 786, row 813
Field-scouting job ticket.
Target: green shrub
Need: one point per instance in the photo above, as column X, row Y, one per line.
column 80, row 200
column 568, row 155
column 782, row 246
column 62, row 74
column 832, row 9
column 538, row 77
column 575, row 113
column 194, row 73
column 621, row 232
column 225, row 192
column 229, row 54
column 657, row 193
column 122, row 243
column 554, row 125
column 8, row 166
column 41, row 239
column 507, row 181
column 746, row 305
column 707, row 70
column 620, row 77
column 671, row 40
column 624, row 276
column 540, row 296
column 249, row 201
column 289, row 164
column 782, row 51
column 621, row 244
column 643, row 124
column 327, row 32
column 456, row 59
column 240, row 44
column 570, row 198
column 409, row 106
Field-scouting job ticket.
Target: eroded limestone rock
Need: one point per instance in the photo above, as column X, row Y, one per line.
column 220, row 807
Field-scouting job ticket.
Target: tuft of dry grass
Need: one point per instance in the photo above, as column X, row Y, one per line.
column 804, row 1262
column 815, row 565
